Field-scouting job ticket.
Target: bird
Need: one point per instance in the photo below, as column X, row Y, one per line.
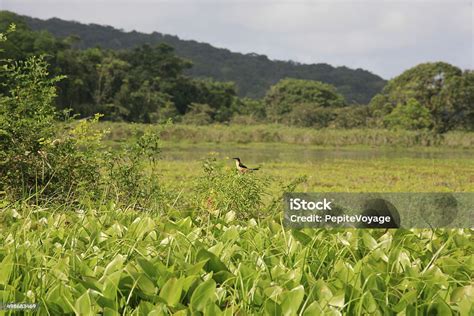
column 241, row 167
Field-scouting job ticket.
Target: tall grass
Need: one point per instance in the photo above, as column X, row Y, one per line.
column 304, row 136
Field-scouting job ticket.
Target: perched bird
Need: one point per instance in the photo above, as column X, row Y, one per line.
column 241, row 167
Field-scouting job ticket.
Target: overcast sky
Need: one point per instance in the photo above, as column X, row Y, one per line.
column 385, row 37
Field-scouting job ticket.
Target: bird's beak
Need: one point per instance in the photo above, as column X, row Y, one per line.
column 235, row 158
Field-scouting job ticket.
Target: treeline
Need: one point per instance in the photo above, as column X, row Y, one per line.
column 145, row 84
column 252, row 73
column 148, row 84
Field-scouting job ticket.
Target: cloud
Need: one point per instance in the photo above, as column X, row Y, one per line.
column 385, row 37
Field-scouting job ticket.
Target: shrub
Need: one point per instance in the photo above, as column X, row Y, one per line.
column 36, row 155
column 252, row 108
column 352, row 117
column 220, row 191
column 444, row 90
column 310, row 115
column 243, row 120
column 288, row 93
column 27, row 125
column 130, row 175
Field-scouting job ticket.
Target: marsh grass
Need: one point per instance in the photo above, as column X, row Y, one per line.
column 268, row 133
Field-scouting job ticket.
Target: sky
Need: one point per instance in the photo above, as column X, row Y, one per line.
column 385, row 37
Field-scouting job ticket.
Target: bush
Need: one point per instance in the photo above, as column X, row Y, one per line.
column 352, row 117
column 252, row 108
column 131, row 171
column 35, row 157
column 243, row 120
column 310, row 115
column 221, row 191
column 27, row 125
column 288, row 93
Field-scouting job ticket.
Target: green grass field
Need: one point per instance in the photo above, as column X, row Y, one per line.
column 203, row 248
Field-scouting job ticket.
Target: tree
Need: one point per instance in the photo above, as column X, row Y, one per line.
column 439, row 87
column 467, row 101
column 142, row 105
column 199, row 114
column 411, row 116
column 282, row 98
column 158, row 62
column 221, row 97
column 110, row 76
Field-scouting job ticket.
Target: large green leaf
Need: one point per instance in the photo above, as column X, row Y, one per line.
column 203, row 294
column 111, row 282
column 6, row 269
column 146, row 285
column 314, row 309
column 301, row 237
column 291, row 300
column 213, row 263
column 171, row 291
column 148, row 268
column 369, row 241
column 272, row 308
column 83, row 304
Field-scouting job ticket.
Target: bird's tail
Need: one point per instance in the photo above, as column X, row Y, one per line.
column 254, row 169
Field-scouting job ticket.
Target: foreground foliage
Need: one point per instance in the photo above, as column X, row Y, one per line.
column 119, row 260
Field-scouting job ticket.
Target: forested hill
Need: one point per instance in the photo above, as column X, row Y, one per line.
column 252, row 73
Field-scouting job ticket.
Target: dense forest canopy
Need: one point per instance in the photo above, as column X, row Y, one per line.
column 253, row 74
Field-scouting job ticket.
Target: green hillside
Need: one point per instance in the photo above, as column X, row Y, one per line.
column 252, row 73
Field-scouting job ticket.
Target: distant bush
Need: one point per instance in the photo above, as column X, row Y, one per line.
column 287, row 94
column 199, row 114
column 244, row 120
column 309, row 115
column 253, row 108
column 355, row 116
